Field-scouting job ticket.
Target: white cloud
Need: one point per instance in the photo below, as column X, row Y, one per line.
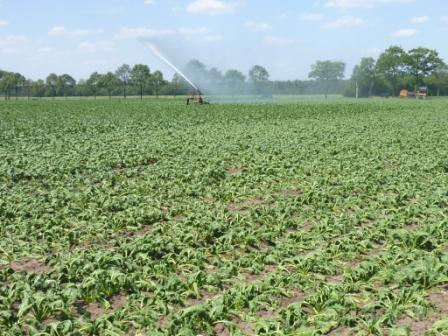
column 13, row 40
column 405, row 33
column 444, row 18
column 96, row 63
column 79, row 32
column 212, row 7
column 372, row 52
column 127, row 32
column 58, row 31
column 3, row 23
column 43, row 50
column 420, row 20
column 149, row 2
column 344, row 22
column 283, row 15
column 275, row 40
column 213, row 38
column 85, row 32
column 192, row 31
column 258, row 26
column 142, row 32
column 95, row 47
column 311, row 17
column 347, row 4
column 12, row 43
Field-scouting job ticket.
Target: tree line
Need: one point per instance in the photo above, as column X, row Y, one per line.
column 394, row 69
column 139, row 80
column 397, row 69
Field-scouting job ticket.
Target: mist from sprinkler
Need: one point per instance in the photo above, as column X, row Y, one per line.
column 158, row 54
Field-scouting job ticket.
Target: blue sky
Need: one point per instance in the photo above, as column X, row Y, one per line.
column 286, row 36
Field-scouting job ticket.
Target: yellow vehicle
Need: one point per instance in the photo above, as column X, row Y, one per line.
column 404, row 94
column 421, row 93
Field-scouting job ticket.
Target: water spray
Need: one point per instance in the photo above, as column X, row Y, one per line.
column 157, row 52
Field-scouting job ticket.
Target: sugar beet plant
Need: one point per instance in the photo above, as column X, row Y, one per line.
column 146, row 218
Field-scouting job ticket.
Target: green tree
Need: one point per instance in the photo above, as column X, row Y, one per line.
column 18, row 82
column 28, row 83
column 38, row 88
column 176, row 81
column 157, row 81
column 65, row 85
column 7, row 83
column 215, row 76
column 391, row 66
column 327, row 72
column 438, row 79
column 422, row 62
column 108, row 81
column 234, row 80
column 51, row 81
column 259, row 76
column 364, row 76
column 92, row 83
column 140, row 76
column 123, row 73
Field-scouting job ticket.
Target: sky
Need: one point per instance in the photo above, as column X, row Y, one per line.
column 78, row 37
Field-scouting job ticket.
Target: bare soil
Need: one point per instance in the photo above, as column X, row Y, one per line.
column 268, row 314
column 439, row 298
column 291, row 192
column 221, row 330
column 335, row 279
column 234, row 170
column 163, row 322
column 29, row 266
column 205, row 295
column 341, row 331
column 294, row 296
column 96, row 310
column 246, row 327
column 255, row 277
column 243, row 206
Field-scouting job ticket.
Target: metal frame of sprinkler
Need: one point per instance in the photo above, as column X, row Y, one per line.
column 197, row 98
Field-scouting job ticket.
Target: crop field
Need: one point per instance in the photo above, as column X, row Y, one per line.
column 150, row 218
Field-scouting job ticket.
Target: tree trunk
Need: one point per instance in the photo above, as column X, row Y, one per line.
column 371, row 89
column 141, row 92
column 438, row 91
column 124, row 90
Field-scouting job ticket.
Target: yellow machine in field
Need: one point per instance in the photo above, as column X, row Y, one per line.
column 421, row 93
